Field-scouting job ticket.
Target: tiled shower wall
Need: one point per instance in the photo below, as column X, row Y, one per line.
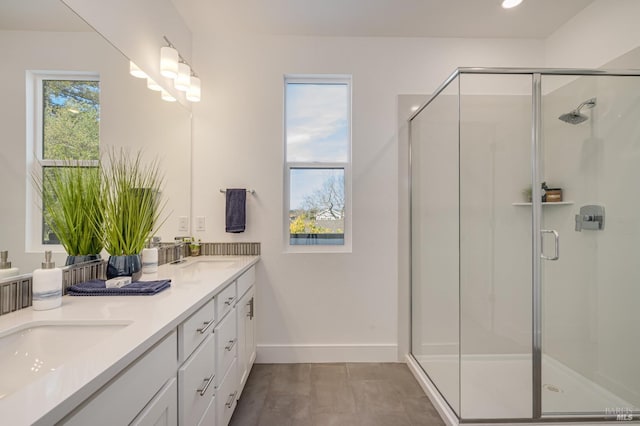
column 16, row 294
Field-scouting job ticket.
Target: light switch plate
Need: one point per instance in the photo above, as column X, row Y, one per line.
column 200, row 223
column 183, row 224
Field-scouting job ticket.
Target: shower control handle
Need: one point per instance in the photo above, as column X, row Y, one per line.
column 591, row 218
column 556, row 237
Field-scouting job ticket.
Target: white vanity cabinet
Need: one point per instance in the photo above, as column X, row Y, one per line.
column 193, row 376
column 235, row 344
column 197, row 367
column 140, row 385
column 163, row 408
column 195, row 383
column 226, row 333
column 246, row 335
column 210, row 396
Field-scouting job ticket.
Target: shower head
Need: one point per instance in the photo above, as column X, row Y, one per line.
column 575, row 117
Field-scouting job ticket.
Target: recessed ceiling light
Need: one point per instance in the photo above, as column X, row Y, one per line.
column 508, row 4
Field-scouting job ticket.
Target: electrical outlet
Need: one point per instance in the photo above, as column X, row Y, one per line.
column 200, row 224
column 183, row 224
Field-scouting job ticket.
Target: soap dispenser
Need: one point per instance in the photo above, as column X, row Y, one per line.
column 47, row 285
column 5, row 266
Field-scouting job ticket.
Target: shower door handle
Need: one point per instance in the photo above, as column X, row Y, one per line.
column 556, row 237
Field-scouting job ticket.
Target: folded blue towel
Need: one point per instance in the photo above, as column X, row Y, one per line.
column 99, row 288
column 236, row 213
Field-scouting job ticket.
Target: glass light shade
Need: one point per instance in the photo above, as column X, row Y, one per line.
column 183, row 81
column 166, row 96
column 135, row 71
column 193, row 94
column 169, row 62
column 508, row 4
column 152, row 85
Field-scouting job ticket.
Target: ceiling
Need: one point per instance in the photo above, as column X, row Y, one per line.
column 39, row 15
column 366, row 18
column 384, row 18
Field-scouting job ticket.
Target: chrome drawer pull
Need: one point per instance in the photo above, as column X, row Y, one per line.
column 229, row 301
column 250, row 305
column 207, row 324
column 232, row 397
column 231, row 344
column 206, row 386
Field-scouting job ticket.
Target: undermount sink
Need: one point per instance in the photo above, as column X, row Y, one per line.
column 195, row 270
column 32, row 350
column 212, row 263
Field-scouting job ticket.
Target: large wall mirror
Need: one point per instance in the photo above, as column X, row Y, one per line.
column 45, row 35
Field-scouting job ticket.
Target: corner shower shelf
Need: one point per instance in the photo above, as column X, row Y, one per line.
column 556, row 203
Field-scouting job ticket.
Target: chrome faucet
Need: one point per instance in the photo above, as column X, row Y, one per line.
column 178, row 250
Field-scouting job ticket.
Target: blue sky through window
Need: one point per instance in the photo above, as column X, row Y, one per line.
column 317, row 122
column 317, row 130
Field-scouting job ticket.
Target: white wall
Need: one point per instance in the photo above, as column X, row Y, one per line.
column 320, row 307
column 603, row 31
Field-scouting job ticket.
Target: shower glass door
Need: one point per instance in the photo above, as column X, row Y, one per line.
column 495, row 246
column 590, row 268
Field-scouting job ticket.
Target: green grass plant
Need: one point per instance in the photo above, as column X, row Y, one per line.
column 132, row 202
column 73, row 206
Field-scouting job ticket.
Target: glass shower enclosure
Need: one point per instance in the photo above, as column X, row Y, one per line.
column 525, row 244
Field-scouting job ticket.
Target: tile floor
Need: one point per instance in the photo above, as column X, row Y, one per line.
column 333, row 395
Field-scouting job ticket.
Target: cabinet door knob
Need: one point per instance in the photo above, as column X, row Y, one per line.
column 229, row 301
column 208, row 381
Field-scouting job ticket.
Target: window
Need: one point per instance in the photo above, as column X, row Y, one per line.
column 63, row 128
column 318, row 162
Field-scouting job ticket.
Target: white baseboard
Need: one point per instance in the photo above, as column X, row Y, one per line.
column 280, row 354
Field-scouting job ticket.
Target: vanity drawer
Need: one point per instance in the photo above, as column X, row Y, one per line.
column 246, row 280
column 195, row 385
column 226, row 396
column 195, row 329
column 226, row 344
column 225, row 300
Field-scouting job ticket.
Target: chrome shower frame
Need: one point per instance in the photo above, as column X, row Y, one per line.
column 536, row 131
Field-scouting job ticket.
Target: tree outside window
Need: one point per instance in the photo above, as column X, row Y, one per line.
column 70, row 129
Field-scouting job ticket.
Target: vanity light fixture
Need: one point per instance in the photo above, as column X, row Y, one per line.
column 508, row 4
column 152, row 85
column 169, row 58
column 183, row 80
column 193, row 94
column 166, row 96
column 135, row 71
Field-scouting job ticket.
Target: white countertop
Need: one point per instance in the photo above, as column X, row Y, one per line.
column 48, row 398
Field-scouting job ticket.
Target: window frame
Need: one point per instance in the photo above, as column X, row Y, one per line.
column 34, row 221
column 345, row 166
